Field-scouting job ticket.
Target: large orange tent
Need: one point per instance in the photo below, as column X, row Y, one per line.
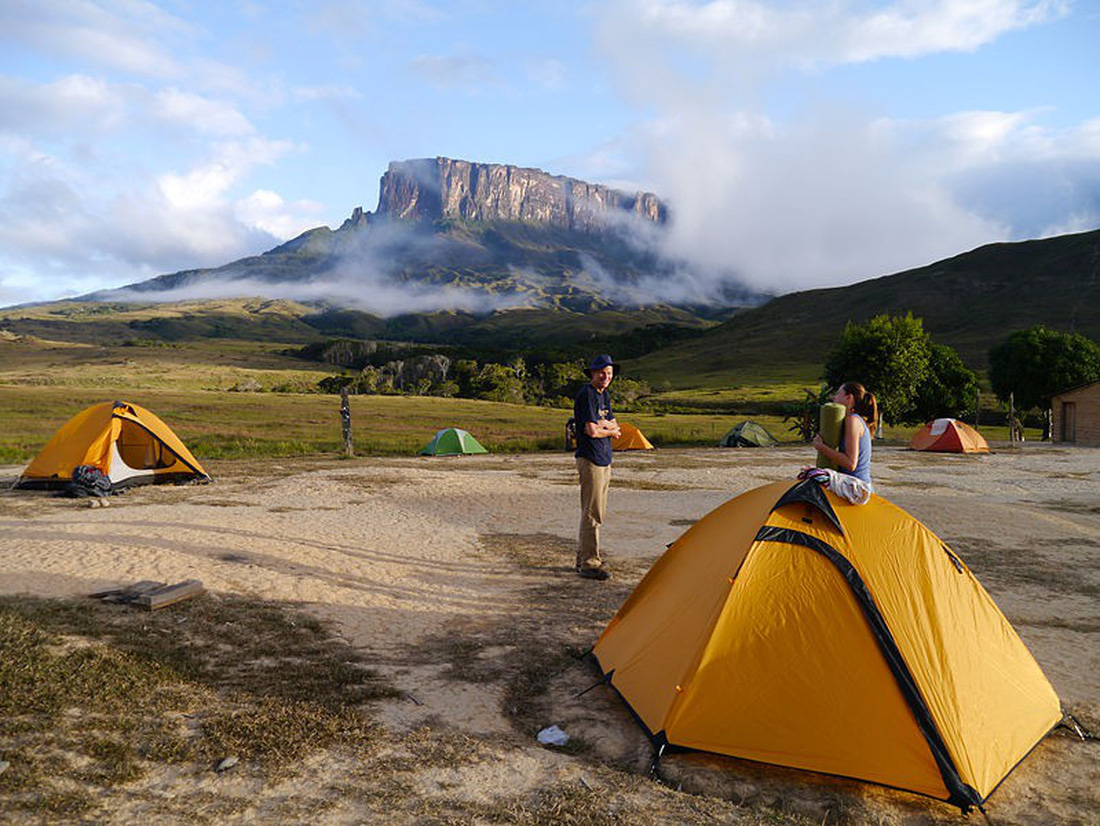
column 124, row 440
column 949, row 436
column 792, row 628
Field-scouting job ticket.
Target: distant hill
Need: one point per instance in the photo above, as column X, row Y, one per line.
column 553, row 331
column 970, row 302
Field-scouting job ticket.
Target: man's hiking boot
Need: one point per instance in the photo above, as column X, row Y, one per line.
column 594, row 573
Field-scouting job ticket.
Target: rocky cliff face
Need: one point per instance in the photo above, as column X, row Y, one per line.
column 433, row 188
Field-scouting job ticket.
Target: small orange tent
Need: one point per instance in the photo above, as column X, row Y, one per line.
column 126, row 441
column 949, row 436
column 790, row 627
column 631, row 439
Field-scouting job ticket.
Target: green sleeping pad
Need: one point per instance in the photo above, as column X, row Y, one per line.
column 831, row 422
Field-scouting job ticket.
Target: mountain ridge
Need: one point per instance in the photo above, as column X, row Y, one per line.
column 969, row 301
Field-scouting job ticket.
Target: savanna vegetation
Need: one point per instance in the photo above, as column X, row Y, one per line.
column 242, row 397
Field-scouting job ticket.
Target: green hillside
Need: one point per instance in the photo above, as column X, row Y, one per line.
column 505, row 263
column 261, row 320
column 970, row 302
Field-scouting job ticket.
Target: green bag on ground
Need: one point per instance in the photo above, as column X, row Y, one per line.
column 830, row 424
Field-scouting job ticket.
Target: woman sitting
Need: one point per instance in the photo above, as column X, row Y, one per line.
column 852, row 456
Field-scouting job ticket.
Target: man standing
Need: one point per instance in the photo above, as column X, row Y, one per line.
column 596, row 427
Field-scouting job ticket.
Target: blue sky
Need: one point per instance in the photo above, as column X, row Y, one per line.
column 799, row 143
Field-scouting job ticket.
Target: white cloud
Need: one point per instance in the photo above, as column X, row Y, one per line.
column 267, row 211
column 308, row 94
column 548, row 73
column 195, row 112
column 470, row 73
column 818, row 202
column 351, row 20
column 828, row 193
column 130, row 35
column 71, row 104
column 78, row 105
column 65, row 228
column 910, row 28
column 847, row 31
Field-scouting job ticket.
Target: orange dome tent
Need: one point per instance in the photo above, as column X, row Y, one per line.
column 790, row 627
column 127, row 442
column 631, row 439
column 949, row 436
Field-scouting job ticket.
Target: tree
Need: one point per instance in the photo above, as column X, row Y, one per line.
column 561, row 378
column 949, row 390
column 889, row 356
column 913, row 378
column 628, row 394
column 498, row 383
column 464, row 374
column 1037, row 363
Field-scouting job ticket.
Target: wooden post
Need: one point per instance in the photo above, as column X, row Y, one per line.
column 1012, row 417
column 345, row 417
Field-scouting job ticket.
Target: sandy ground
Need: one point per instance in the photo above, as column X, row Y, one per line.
column 404, row 555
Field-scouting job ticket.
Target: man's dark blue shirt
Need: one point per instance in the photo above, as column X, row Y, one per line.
column 592, row 406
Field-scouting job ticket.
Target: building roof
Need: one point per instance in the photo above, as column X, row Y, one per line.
column 1075, row 389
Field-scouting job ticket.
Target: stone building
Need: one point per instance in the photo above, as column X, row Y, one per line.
column 1077, row 415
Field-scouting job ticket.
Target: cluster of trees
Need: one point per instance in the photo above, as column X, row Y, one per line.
column 552, row 384
column 1037, row 363
column 915, row 379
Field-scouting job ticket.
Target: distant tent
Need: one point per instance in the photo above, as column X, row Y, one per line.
column 631, row 439
column 949, row 436
column 124, row 440
column 790, row 627
column 748, row 434
column 452, row 441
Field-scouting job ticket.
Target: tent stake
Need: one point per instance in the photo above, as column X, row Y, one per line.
column 1078, row 729
column 656, row 764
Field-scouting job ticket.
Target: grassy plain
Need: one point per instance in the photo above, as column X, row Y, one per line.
column 190, row 385
column 193, row 386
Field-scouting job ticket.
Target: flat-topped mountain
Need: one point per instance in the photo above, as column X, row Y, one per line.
column 451, row 234
column 431, row 189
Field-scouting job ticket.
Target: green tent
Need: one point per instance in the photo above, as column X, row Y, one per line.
column 452, row 441
column 748, row 434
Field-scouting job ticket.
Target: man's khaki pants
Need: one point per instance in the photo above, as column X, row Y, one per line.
column 595, row 481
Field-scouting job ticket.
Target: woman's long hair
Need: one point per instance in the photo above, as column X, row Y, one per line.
column 866, row 405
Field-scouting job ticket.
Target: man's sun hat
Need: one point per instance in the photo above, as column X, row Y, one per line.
column 601, row 361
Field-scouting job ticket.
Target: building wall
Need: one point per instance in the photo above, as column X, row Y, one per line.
column 1087, row 399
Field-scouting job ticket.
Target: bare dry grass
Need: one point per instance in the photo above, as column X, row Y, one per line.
column 94, row 696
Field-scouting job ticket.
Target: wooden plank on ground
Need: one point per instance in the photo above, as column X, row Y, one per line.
column 128, row 593
column 170, row 594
